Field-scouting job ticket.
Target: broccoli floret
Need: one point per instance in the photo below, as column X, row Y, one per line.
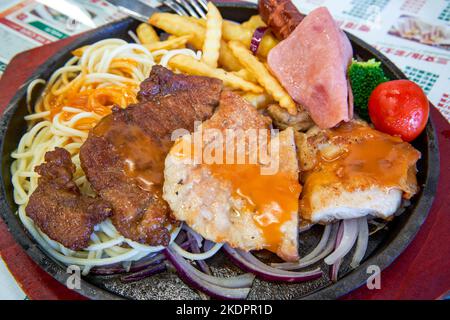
column 364, row 77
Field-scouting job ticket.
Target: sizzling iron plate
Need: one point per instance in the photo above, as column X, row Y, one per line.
column 383, row 248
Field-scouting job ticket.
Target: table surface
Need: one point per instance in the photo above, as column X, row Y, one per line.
column 421, row 272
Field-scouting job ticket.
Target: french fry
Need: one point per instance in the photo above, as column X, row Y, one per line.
column 213, row 34
column 254, row 22
column 146, row 33
column 173, row 43
column 200, row 22
column 267, row 43
column 234, row 31
column 191, row 66
column 179, row 26
column 227, row 60
column 230, row 30
column 265, row 79
column 259, row 101
column 246, row 75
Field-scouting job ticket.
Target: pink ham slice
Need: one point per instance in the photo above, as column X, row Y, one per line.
column 312, row 63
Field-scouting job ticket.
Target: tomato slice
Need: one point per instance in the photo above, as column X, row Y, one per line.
column 400, row 108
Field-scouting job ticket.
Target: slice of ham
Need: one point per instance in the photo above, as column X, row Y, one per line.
column 312, row 63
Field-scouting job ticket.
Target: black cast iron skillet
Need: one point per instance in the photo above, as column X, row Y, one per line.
column 384, row 246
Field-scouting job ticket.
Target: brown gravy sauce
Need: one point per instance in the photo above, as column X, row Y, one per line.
column 272, row 198
column 366, row 158
column 143, row 157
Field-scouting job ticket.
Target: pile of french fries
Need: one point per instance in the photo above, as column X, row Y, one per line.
column 225, row 53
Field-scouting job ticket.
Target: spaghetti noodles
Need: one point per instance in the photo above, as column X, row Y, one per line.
column 74, row 99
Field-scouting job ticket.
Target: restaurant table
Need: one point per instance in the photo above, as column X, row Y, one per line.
column 422, row 271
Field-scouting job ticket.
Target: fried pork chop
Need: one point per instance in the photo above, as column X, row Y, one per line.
column 354, row 171
column 123, row 157
column 235, row 203
column 58, row 208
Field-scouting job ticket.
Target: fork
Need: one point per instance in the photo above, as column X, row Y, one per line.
column 142, row 11
column 194, row 8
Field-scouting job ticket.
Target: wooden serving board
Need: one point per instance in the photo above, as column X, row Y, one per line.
column 421, row 272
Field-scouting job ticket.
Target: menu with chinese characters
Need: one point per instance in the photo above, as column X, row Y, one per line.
column 27, row 24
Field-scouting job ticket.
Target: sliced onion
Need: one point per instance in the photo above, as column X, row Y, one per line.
column 196, row 249
column 348, row 240
column 193, row 234
column 257, row 38
column 181, row 237
column 150, row 271
column 196, row 256
column 185, row 245
column 127, row 265
column 250, row 263
column 112, row 269
column 321, row 245
column 325, row 246
column 223, row 288
column 118, row 268
column 207, row 245
column 334, row 270
column 361, row 244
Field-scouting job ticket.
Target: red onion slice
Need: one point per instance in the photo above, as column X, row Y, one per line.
column 150, row 271
column 334, row 270
column 321, row 245
column 222, row 288
column 256, row 39
column 203, row 266
column 348, row 240
column 361, row 244
column 246, row 261
column 135, row 266
column 193, row 234
column 325, row 246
